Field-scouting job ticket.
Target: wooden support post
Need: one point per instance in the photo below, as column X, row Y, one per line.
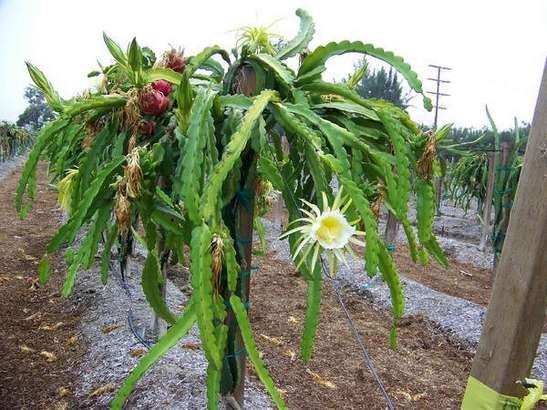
column 390, row 233
column 516, row 313
column 240, row 223
column 487, row 206
column 439, row 183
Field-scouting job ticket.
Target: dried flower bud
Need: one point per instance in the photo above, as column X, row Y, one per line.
column 162, row 86
column 147, row 127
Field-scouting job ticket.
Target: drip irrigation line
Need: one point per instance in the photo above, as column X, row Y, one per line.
column 121, row 276
column 359, row 339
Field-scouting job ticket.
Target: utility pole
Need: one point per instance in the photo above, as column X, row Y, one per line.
column 438, row 93
column 438, row 181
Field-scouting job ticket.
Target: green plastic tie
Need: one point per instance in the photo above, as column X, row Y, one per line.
column 503, row 191
column 240, row 352
column 245, row 196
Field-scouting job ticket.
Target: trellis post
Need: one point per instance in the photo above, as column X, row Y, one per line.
column 487, row 206
column 242, row 206
column 516, row 312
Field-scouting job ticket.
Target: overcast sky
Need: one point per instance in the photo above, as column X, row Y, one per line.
column 497, row 49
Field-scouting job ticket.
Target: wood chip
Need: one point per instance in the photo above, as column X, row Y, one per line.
column 405, row 394
column 320, row 380
column 292, row 320
column 138, row 352
column 62, row 405
column 49, row 356
column 191, row 345
column 290, row 354
column 50, row 328
column 274, row 340
column 33, row 316
column 26, row 349
column 99, row 391
column 26, row 256
column 73, row 340
column 111, row 328
column 63, row 391
column 411, row 397
column 419, row 396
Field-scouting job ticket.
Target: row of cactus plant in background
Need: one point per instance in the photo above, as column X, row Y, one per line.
column 469, row 175
column 173, row 152
column 13, row 140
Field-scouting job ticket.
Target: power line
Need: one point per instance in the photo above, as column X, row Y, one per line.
column 438, row 93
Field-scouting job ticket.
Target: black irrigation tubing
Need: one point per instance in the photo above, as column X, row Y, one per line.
column 360, row 342
column 121, row 276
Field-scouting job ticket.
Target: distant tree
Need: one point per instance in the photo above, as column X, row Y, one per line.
column 382, row 84
column 37, row 113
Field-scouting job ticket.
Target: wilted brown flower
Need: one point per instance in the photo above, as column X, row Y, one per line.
column 133, row 174
column 217, row 253
column 122, row 209
column 131, row 111
column 425, row 163
column 147, row 128
column 376, row 205
column 91, row 130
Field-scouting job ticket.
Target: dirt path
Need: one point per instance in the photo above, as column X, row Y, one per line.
column 39, row 343
column 426, row 372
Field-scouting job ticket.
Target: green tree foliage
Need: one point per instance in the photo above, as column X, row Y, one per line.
column 382, row 83
column 37, row 113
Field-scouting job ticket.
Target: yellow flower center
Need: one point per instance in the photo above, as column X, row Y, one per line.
column 330, row 228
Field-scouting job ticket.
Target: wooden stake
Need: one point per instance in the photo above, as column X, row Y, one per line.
column 487, row 206
column 390, row 233
column 241, row 227
column 516, row 312
column 439, row 183
column 503, row 208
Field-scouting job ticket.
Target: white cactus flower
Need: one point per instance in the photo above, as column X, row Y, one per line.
column 327, row 230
